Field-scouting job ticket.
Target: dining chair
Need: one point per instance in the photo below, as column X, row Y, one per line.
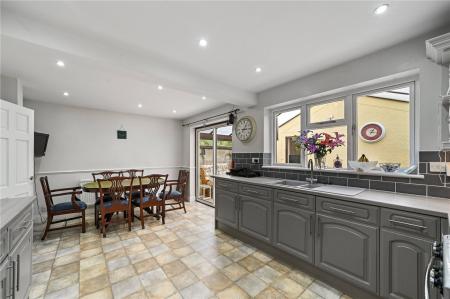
column 75, row 205
column 149, row 196
column 117, row 201
column 175, row 196
column 134, row 173
column 102, row 175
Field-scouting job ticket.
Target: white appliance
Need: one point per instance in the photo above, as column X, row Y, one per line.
column 438, row 269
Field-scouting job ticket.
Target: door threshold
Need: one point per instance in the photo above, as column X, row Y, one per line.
column 205, row 203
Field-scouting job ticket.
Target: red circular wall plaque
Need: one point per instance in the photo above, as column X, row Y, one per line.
column 372, row 132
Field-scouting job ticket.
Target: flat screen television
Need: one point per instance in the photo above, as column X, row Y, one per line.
column 40, row 144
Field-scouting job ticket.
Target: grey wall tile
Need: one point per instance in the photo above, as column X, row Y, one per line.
column 385, row 186
column 411, row 189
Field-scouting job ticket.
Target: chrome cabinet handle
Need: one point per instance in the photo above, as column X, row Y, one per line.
column 407, row 224
column 341, row 210
column 18, row 273
column 427, row 277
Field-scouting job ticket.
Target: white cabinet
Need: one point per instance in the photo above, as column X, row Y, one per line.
column 16, row 150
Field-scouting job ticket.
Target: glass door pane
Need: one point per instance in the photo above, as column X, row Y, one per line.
column 205, row 165
column 223, row 149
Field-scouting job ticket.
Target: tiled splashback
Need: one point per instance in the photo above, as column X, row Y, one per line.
column 433, row 184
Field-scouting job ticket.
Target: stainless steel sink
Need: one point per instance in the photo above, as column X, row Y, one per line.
column 290, row 183
column 310, row 186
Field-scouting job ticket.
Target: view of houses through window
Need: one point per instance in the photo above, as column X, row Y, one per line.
column 376, row 124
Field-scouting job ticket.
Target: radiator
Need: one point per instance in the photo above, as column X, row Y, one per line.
column 87, row 197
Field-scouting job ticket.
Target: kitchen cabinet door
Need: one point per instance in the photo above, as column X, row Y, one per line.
column 21, row 257
column 255, row 217
column 293, row 231
column 226, row 208
column 403, row 261
column 347, row 249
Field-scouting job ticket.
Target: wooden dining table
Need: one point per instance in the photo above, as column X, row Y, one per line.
column 93, row 186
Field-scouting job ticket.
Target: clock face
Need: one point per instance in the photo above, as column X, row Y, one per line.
column 372, row 132
column 245, row 129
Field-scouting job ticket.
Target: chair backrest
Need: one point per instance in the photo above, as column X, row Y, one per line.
column 116, row 191
column 133, row 173
column 104, row 175
column 183, row 176
column 152, row 184
column 47, row 192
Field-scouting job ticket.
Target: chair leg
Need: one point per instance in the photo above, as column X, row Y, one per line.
column 104, row 226
column 163, row 213
column 83, row 222
column 129, row 213
column 184, row 206
column 141, row 215
column 132, row 213
column 47, row 227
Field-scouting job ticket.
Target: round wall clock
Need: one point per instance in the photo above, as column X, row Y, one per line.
column 372, row 132
column 245, row 128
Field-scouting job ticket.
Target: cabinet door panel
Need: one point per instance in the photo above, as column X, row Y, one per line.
column 293, row 231
column 226, row 208
column 255, row 217
column 21, row 256
column 348, row 250
column 403, row 262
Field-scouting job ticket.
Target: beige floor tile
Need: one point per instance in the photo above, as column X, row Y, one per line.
column 94, row 284
column 93, row 271
column 71, row 292
column 263, row 257
column 198, row 290
column 162, row 289
column 251, row 284
column 92, row 261
column 174, row 268
column 166, row 258
column 120, row 252
column 138, row 295
column 250, row 263
column 117, row 263
column 61, row 271
column 235, row 271
column 280, row 267
column 308, row 294
column 105, row 293
column 217, row 281
column 153, row 276
column 203, row 269
column 121, row 274
column 267, row 274
column 235, row 254
column 193, row 259
column 126, row 287
column 134, row 248
column 37, row 290
column 183, row 251
column 145, row 265
column 139, row 256
column 270, row 293
column 90, row 252
column 221, row 261
column 67, row 259
column 63, row 282
column 184, row 279
column 288, row 287
column 42, row 267
column 301, row 277
column 324, row 290
column 233, row 292
column 41, row 277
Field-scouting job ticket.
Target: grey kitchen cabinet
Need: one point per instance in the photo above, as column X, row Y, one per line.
column 294, row 231
column 347, row 249
column 403, row 260
column 255, row 217
column 5, row 282
column 226, row 208
column 21, row 258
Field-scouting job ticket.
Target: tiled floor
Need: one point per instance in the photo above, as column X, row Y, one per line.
column 186, row 258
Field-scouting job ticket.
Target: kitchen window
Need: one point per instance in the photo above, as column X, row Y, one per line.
column 378, row 123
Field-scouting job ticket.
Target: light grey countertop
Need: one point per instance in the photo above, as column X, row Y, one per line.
column 11, row 207
column 415, row 203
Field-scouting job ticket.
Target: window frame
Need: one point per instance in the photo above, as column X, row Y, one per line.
column 350, row 113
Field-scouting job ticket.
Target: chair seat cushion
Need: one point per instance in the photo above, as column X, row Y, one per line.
column 65, row 206
column 137, row 201
column 105, row 199
column 109, row 204
column 173, row 193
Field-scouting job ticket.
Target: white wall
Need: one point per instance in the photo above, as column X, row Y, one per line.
column 84, row 140
column 11, row 90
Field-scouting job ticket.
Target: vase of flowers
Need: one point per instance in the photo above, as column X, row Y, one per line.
column 319, row 144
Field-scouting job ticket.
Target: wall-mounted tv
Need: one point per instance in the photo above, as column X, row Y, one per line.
column 40, row 144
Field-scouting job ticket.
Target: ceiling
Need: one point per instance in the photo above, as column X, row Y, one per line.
column 116, row 53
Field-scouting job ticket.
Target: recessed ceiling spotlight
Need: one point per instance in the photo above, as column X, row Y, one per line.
column 203, row 43
column 174, row 111
column 60, row 63
column 66, row 94
column 160, row 87
column 203, row 98
column 139, row 105
column 381, row 9
column 258, row 69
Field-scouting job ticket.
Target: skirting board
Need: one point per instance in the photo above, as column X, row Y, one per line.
column 309, row 269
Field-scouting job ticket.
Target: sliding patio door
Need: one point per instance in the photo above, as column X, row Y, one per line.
column 213, row 156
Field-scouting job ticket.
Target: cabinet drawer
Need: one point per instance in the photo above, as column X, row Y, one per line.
column 418, row 224
column 255, row 191
column 227, row 185
column 350, row 210
column 4, row 247
column 19, row 227
column 305, row 201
